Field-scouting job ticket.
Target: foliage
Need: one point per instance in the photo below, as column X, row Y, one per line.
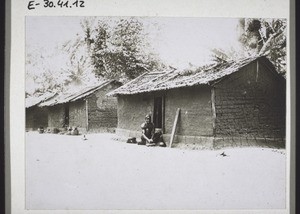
column 260, row 37
column 266, row 37
column 63, row 68
column 119, row 48
column 78, row 65
column 107, row 48
column 42, row 71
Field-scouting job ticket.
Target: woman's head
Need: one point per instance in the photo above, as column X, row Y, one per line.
column 148, row 118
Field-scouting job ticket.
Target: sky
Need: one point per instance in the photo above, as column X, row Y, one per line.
column 178, row 41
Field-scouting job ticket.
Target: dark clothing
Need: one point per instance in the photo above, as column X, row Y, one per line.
column 149, row 132
column 157, row 137
column 143, row 141
column 148, row 129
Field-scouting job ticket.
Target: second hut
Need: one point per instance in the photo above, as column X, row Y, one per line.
column 88, row 109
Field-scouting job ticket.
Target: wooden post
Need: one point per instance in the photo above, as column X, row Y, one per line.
column 163, row 114
column 213, row 107
column 174, row 126
column 257, row 68
column 87, row 114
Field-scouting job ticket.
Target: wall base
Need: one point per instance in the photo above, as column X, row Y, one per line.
column 84, row 131
column 208, row 142
column 222, row 142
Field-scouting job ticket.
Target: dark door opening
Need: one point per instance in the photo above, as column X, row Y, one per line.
column 66, row 118
column 158, row 112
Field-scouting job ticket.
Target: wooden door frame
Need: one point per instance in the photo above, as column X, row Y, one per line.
column 162, row 110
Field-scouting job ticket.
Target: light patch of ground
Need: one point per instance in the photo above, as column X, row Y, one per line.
column 66, row 172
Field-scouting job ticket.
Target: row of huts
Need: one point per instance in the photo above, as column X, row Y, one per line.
column 88, row 109
column 227, row 104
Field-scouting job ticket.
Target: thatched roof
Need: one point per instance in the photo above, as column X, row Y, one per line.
column 158, row 81
column 35, row 100
column 70, row 97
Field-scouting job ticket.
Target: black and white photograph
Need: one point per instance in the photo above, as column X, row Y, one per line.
column 156, row 113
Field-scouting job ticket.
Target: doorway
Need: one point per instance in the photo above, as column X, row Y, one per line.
column 66, row 115
column 158, row 112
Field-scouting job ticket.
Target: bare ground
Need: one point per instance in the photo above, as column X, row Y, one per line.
column 66, row 172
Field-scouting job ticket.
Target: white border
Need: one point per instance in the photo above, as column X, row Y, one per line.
column 167, row 8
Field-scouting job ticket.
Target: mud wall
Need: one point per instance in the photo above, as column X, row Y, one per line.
column 195, row 111
column 77, row 114
column 195, row 104
column 36, row 117
column 132, row 110
column 251, row 103
column 56, row 116
column 102, row 109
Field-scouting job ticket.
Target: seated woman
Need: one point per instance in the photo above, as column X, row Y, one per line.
column 149, row 136
column 147, row 132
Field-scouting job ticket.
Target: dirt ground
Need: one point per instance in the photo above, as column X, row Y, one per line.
column 67, row 172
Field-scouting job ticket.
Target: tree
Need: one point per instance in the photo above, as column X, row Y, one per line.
column 42, row 72
column 266, row 37
column 78, row 64
column 114, row 48
column 65, row 67
column 60, row 69
column 259, row 37
column 119, row 48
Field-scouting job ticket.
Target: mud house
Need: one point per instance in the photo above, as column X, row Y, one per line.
column 36, row 116
column 237, row 103
column 89, row 109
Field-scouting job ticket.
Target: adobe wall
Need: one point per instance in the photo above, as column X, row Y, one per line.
column 56, row 116
column 102, row 110
column 195, row 111
column 250, row 104
column 132, row 110
column 195, row 118
column 77, row 114
column 36, row 117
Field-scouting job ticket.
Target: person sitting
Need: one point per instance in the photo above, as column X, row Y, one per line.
column 150, row 135
column 148, row 131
